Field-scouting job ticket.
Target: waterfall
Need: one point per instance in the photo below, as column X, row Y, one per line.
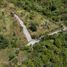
column 26, row 32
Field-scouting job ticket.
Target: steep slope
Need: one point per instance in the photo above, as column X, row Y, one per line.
column 40, row 17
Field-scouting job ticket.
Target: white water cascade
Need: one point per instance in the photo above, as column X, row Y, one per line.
column 26, row 32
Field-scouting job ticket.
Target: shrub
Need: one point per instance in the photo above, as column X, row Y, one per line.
column 3, row 42
column 32, row 27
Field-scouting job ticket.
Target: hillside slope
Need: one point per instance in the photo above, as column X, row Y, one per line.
column 40, row 17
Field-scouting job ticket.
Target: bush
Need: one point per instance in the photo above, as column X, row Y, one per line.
column 3, row 42
column 32, row 27
column 11, row 56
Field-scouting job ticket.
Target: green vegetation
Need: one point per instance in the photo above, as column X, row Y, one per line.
column 56, row 10
column 48, row 53
column 32, row 27
column 40, row 17
column 3, row 42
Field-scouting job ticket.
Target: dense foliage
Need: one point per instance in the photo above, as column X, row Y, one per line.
column 3, row 42
column 51, row 51
column 54, row 9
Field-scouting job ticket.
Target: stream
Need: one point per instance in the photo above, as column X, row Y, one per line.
column 26, row 32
